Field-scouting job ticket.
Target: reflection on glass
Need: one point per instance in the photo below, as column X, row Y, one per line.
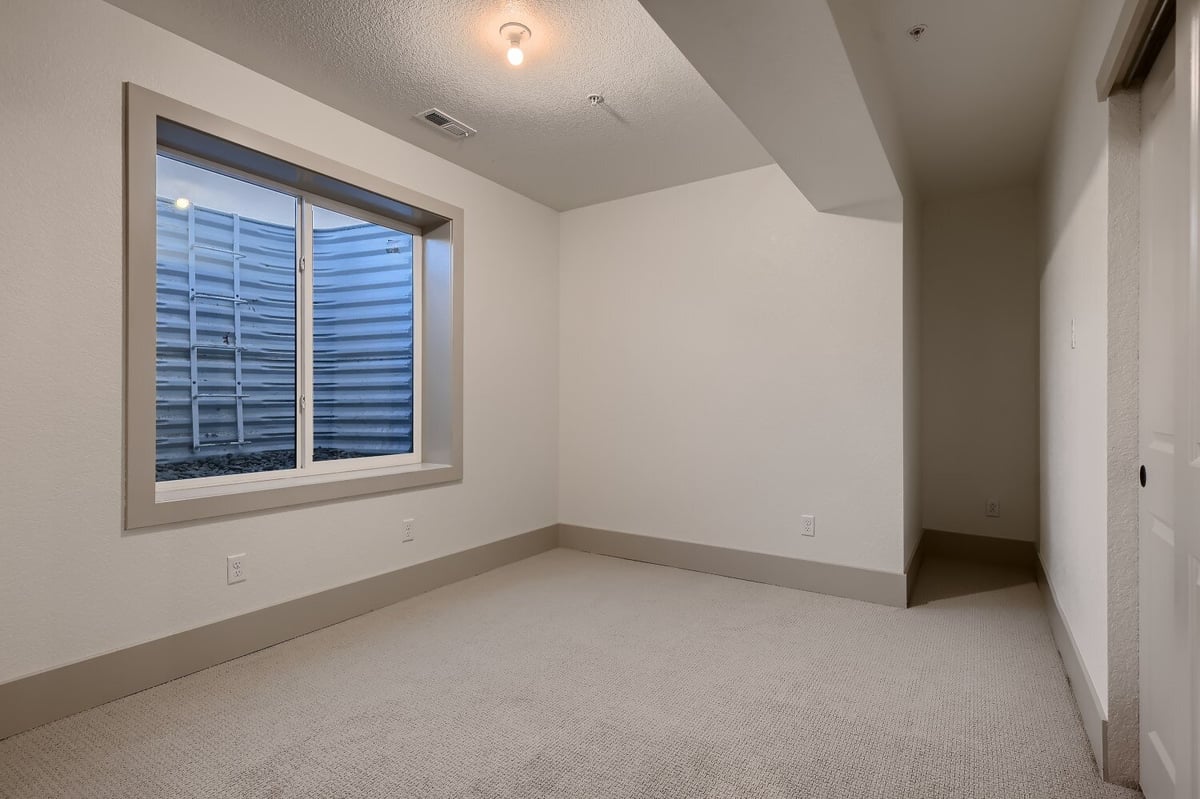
column 226, row 325
column 362, row 338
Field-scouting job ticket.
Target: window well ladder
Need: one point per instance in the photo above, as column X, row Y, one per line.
column 194, row 346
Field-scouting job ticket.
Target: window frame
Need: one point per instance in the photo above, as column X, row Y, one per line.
column 304, row 296
column 437, row 230
column 307, row 294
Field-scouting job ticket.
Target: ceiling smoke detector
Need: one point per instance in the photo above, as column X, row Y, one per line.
column 917, row 31
column 446, row 123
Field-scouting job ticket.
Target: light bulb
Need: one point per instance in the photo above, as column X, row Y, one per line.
column 182, row 203
column 514, row 33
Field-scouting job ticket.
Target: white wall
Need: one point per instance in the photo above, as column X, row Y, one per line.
column 979, row 363
column 71, row 584
column 1073, row 256
column 731, row 359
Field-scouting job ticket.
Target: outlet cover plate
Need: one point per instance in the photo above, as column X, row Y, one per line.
column 992, row 509
column 408, row 525
column 235, row 568
column 808, row 525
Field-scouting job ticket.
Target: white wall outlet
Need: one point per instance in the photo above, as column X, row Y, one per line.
column 808, row 525
column 235, row 568
column 409, row 524
column 992, row 509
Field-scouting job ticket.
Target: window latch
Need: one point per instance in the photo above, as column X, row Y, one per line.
column 301, row 263
column 303, row 403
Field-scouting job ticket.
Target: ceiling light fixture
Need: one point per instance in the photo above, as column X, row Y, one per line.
column 917, row 31
column 515, row 33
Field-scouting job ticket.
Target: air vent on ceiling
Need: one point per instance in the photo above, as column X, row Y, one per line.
column 446, row 123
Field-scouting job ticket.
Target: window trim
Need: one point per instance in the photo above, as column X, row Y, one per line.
column 437, row 441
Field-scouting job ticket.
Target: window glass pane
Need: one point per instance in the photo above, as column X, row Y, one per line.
column 362, row 338
column 226, row 325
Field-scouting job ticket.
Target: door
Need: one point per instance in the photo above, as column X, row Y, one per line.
column 1170, row 416
column 1163, row 198
column 1187, row 406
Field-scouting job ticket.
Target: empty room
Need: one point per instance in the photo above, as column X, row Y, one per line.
column 600, row 398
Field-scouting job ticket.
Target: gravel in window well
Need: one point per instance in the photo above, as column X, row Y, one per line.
column 247, row 463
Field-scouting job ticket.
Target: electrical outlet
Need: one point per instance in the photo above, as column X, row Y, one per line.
column 808, row 525
column 408, row 530
column 992, row 509
column 235, row 568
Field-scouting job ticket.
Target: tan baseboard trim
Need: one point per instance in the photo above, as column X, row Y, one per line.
column 883, row 588
column 986, row 549
column 1095, row 722
column 29, row 702
column 913, row 569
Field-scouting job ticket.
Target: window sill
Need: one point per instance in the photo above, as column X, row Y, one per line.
column 191, row 503
column 168, row 493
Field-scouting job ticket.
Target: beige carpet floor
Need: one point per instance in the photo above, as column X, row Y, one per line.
column 574, row 675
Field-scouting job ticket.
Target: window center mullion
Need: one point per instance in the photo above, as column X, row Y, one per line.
column 304, row 337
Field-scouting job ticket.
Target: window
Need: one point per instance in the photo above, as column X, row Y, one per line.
column 294, row 326
column 226, row 337
column 236, row 375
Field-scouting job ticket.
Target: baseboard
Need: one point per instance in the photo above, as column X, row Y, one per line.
column 913, row 568
column 28, row 702
column 882, row 588
column 986, row 549
column 1095, row 721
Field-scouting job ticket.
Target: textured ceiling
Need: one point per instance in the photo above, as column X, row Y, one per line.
column 975, row 97
column 385, row 60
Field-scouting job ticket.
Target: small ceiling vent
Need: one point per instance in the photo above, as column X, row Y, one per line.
column 446, row 123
